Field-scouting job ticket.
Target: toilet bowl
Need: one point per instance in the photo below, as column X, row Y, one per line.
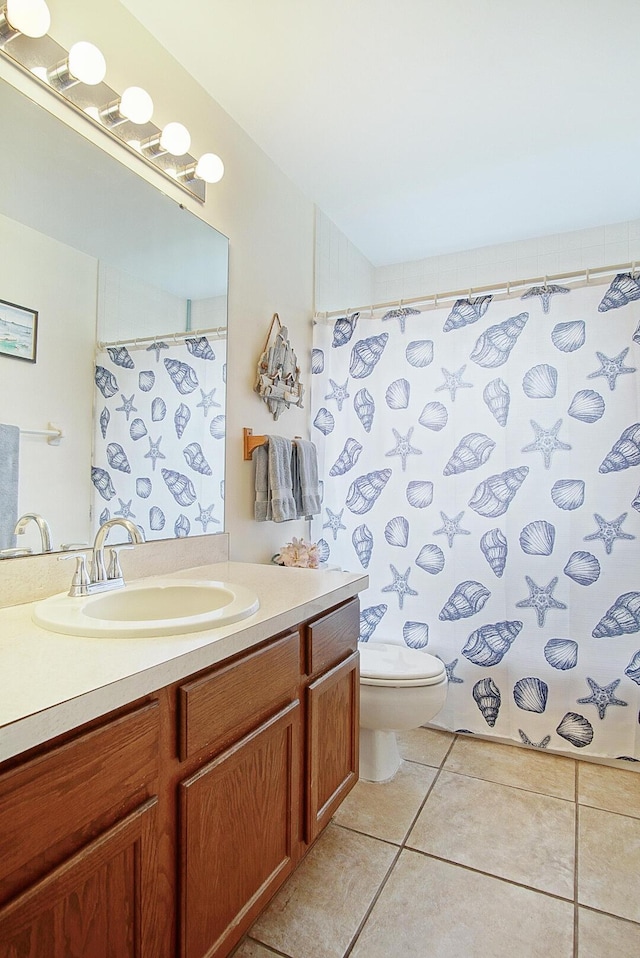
column 400, row 689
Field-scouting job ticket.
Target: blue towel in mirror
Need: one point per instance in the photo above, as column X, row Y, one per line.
column 9, row 472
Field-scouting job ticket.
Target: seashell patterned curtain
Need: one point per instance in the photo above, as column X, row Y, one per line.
column 481, row 464
column 159, row 437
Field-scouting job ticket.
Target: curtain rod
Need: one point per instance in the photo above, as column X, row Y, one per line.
column 216, row 332
column 574, row 280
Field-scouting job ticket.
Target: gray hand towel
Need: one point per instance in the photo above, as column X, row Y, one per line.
column 9, row 471
column 283, row 505
column 262, row 508
column 305, row 472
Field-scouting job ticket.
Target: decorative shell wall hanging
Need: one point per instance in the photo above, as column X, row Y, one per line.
column 278, row 377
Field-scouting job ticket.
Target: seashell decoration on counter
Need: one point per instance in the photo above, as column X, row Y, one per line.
column 499, row 476
column 278, row 376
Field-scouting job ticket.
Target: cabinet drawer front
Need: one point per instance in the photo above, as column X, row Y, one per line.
column 332, row 637
column 53, row 803
column 233, row 699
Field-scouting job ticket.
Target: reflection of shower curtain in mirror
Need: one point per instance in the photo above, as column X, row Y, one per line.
column 481, row 464
column 159, row 436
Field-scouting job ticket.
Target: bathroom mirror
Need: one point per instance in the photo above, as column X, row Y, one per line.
column 102, row 256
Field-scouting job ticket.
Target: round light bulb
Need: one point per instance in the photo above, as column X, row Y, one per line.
column 210, row 168
column 30, row 17
column 86, row 63
column 136, row 105
column 175, row 139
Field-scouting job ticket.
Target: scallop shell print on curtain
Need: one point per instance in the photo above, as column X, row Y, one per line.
column 158, row 457
column 485, row 465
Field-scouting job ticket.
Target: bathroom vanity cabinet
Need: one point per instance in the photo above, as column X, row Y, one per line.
column 163, row 829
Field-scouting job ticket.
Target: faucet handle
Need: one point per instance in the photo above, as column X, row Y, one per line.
column 114, row 571
column 80, row 581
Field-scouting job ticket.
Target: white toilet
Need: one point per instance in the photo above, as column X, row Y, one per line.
column 400, row 689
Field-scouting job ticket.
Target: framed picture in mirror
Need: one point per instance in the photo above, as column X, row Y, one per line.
column 18, row 331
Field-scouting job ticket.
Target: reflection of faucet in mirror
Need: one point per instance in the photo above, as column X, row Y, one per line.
column 42, row 524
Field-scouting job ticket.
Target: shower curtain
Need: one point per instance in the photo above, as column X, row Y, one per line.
column 480, row 463
column 159, row 436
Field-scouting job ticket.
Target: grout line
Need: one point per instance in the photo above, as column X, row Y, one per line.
column 609, row 811
column 478, row 871
column 609, row 914
column 268, row 948
column 401, row 848
column 372, row 904
column 520, row 788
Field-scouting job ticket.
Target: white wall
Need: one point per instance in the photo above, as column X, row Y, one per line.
column 269, row 222
column 344, row 277
column 543, row 256
column 340, row 274
column 60, row 283
column 128, row 308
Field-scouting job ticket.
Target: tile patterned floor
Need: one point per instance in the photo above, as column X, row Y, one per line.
column 474, row 850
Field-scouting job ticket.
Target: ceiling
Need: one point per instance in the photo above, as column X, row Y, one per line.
column 429, row 126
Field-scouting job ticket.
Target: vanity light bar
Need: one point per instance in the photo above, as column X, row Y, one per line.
column 77, row 78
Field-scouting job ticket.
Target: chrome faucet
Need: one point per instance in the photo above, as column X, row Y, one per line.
column 102, row 579
column 42, row 524
column 98, row 571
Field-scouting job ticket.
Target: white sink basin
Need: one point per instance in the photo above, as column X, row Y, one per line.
column 151, row 608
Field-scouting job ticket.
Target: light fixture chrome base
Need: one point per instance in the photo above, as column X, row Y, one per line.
column 36, row 56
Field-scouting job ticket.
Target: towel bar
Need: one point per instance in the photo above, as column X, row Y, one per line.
column 54, row 434
column 252, row 442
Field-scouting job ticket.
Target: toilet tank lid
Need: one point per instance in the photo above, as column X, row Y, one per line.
column 380, row 660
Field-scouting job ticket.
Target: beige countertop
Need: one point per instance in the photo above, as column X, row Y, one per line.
column 50, row 683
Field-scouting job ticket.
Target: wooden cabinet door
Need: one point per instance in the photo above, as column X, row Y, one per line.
column 100, row 903
column 238, row 825
column 333, row 729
